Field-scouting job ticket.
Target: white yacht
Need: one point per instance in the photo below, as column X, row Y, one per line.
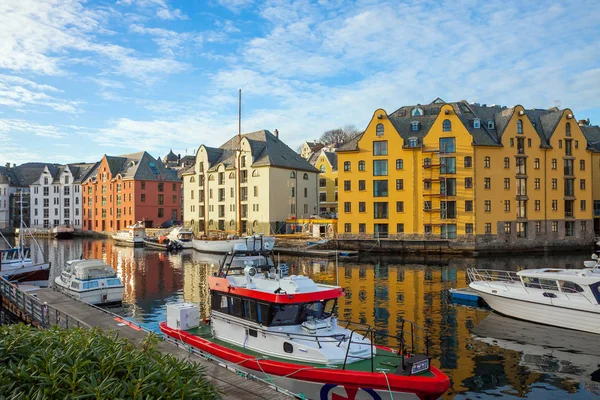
column 182, row 235
column 567, row 298
column 91, row 281
column 131, row 236
column 223, row 246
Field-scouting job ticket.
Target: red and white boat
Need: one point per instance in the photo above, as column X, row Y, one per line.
column 283, row 329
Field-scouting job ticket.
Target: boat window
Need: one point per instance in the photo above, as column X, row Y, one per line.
column 548, row 284
column 236, row 307
column 287, row 347
column 570, row 287
column 220, row 303
column 75, row 285
column 250, row 310
column 9, row 255
column 531, row 282
column 329, row 308
column 114, row 282
column 90, row 285
column 262, row 311
column 311, row 311
column 285, row 314
column 253, row 332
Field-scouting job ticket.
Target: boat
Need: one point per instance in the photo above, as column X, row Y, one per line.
column 91, row 281
column 133, row 235
column 566, row 298
column 162, row 243
column 182, row 235
column 223, row 246
column 16, row 264
column 283, row 329
column 63, row 231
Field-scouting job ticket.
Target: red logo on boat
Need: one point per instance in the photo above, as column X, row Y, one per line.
column 350, row 393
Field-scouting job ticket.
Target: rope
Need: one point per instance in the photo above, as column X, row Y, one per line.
column 388, row 384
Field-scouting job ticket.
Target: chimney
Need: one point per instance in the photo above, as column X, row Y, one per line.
column 14, row 165
column 276, row 133
column 7, row 165
column 584, row 122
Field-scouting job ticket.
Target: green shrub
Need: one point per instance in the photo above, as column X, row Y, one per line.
column 89, row 364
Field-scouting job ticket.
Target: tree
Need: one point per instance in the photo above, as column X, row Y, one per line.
column 339, row 135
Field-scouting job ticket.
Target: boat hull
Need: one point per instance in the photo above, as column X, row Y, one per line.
column 101, row 296
column 547, row 314
column 321, row 383
column 225, row 246
column 129, row 241
column 34, row 275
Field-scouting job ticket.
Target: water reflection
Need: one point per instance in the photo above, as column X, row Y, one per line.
column 379, row 291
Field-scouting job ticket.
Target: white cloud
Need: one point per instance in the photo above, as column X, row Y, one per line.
column 169, row 42
column 15, row 125
column 160, row 7
column 20, row 93
column 235, row 5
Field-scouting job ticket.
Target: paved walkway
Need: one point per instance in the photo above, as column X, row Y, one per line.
column 231, row 385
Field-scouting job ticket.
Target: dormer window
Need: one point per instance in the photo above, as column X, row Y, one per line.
column 519, row 126
column 490, row 124
column 379, row 130
column 416, row 112
column 414, row 126
column 412, row 142
column 476, row 123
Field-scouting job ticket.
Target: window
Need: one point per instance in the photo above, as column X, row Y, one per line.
column 305, row 195
column 245, row 197
column 537, row 205
column 416, row 112
column 487, row 206
column 486, row 162
column 582, row 205
column 361, row 165
column 347, row 186
column 399, row 228
column 521, row 145
column 380, row 210
column 487, row 183
column 536, row 163
column 427, row 205
column 161, row 197
column 380, row 168
column 346, row 166
column 161, row 212
column 379, row 130
column 507, row 227
column 399, row 184
column 161, row 187
column 554, row 226
column 568, row 129
column 568, row 147
column 447, row 126
column 448, row 145
column 506, row 205
column 322, row 197
column 536, row 183
column 490, row 124
column 554, row 205
column 448, row 231
column 399, row 206
column 560, row 144
column 583, row 226
column 469, row 229
column 362, row 207
column 399, row 164
column 506, row 162
column 521, row 229
column 448, row 165
column 569, row 228
column 448, row 187
column 488, row 227
column 582, row 184
column 554, row 183
column 521, row 187
column 427, row 185
column 506, row 183
column 538, row 226
column 347, row 207
column 468, row 162
column 305, row 177
column 347, row 228
column 476, row 123
column 292, row 174
column 468, row 183
column 143, row 197
column 414, row 126
column 582, row 165
column 380, row 188
column 362, row 228
column 380, row 148
column 361, row 185
column 447, row 209
column 412, row 142
column 512, row 142
column 554, row 164
column 528, row 142
column 322, row 183
column 322, row 170
column 469, row 205
column 519, row 126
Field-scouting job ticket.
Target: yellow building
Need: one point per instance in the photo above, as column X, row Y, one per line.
column 326, row 163
column 497, row 176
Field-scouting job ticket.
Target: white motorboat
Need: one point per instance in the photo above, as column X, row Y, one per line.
column 63, row 231
column 222, row 246
column 183, row 235
column 133, row 235
column 92, row 281
column 567, row 298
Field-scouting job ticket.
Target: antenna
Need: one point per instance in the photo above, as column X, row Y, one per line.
column 557, row 103
column 239, row 160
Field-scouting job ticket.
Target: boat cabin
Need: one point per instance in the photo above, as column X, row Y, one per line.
column 13, row 255
column 564, row 281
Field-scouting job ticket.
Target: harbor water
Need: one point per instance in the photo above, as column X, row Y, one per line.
column 468, row 343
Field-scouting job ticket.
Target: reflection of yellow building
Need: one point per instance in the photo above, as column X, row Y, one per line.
column 496, row 175
column 328, row 181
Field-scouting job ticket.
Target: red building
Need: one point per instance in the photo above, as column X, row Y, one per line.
column 130, row 188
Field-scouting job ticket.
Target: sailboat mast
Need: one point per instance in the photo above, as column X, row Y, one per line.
column 238, row 172
column 21, row 233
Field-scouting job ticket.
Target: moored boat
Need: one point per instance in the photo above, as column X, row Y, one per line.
column 162, row 243
column 567, row 298
column 182, row 235
column 223, row 246
column 63, row 231
column 131, row 236
column 92, row 281
column 284, row 329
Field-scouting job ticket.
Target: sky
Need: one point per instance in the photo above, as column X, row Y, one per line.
column 80, row 79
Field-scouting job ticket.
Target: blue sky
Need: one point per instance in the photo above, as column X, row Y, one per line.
column 82, row 79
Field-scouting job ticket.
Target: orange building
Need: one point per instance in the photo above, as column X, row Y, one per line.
column 129, row 188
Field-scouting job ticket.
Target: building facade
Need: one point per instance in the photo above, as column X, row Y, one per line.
column 326, row 163
column 252, row 183
column 123, row 190
column 497, row 176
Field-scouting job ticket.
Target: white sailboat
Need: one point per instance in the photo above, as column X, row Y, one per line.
column 182, row 235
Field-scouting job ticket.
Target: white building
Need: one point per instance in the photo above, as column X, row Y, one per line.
column 275, row 184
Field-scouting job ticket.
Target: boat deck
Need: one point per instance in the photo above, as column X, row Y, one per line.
column 383, row 361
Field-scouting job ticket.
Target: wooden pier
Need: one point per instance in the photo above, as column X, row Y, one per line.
column 44, row 308
column 308, row 252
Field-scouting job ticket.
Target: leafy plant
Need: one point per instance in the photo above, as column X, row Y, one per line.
column 89, row 364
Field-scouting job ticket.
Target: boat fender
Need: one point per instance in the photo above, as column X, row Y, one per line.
column 206, row 321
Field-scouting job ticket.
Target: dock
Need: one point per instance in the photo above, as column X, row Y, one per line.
column 465, row 295
column 44, row 308
column 309, row 252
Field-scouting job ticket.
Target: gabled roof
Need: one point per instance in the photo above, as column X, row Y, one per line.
column 332, row 158
column 592, row 134
column 138, row 166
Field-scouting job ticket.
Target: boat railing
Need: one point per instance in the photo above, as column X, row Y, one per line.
column 493, row 275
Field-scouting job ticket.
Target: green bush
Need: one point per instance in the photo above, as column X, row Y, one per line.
column 89, row 364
